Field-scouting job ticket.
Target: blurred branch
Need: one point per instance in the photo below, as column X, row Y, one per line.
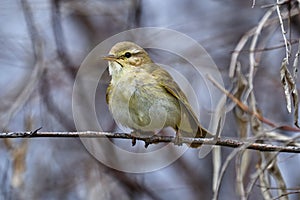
column 53, row 109
column 267, row 48
column 226, row 142
column 128, row 181
column 134, row 17
column 132, row 185
column 38, row 66
column 60, row 40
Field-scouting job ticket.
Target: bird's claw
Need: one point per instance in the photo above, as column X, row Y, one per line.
column 133, row 141
column 134, row 134
column 147, row 142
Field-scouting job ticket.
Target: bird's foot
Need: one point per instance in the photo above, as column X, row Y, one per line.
column 134, row 134
column 178, row 139
column 147, row 142
column 151, row 140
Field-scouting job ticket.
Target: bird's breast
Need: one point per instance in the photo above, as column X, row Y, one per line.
column 139, row 102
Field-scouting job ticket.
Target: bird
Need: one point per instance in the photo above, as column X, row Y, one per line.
column 143, row 97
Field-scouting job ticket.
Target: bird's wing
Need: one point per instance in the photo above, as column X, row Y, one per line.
column 166, row 81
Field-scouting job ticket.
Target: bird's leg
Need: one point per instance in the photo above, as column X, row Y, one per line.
column 148, row 140
column 151, row 139
column 134, row 134
column 178, row 139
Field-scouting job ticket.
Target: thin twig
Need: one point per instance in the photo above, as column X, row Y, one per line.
column 267, row 48
column 226, row 142
column 242, row 42
column 252, row 62
column 226, row 164
column 255, row 176
column 248, row 110
column 287, row 46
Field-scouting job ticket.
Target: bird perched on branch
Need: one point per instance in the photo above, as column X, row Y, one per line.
column 144, row 97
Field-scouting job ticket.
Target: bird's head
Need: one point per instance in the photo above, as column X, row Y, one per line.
column 126, row 55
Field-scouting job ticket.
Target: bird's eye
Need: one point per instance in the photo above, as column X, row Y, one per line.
column 127, row 54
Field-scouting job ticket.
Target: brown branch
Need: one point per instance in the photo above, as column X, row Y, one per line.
column 226, row 142
column 248, row 110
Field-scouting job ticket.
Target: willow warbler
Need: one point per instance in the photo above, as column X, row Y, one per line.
column 144, row 97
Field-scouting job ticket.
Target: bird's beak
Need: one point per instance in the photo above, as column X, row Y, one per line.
column 109, row 57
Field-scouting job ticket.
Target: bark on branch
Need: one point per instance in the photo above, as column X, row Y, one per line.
column 225, row 142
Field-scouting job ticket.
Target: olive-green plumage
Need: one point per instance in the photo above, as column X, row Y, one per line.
column 144, row 97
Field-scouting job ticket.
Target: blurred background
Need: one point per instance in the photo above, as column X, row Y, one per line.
column 42, row 46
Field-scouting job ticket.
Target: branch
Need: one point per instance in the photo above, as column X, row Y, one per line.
column 248, row 110
column 24, row 93
column 60, row 41
column 226, row 142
